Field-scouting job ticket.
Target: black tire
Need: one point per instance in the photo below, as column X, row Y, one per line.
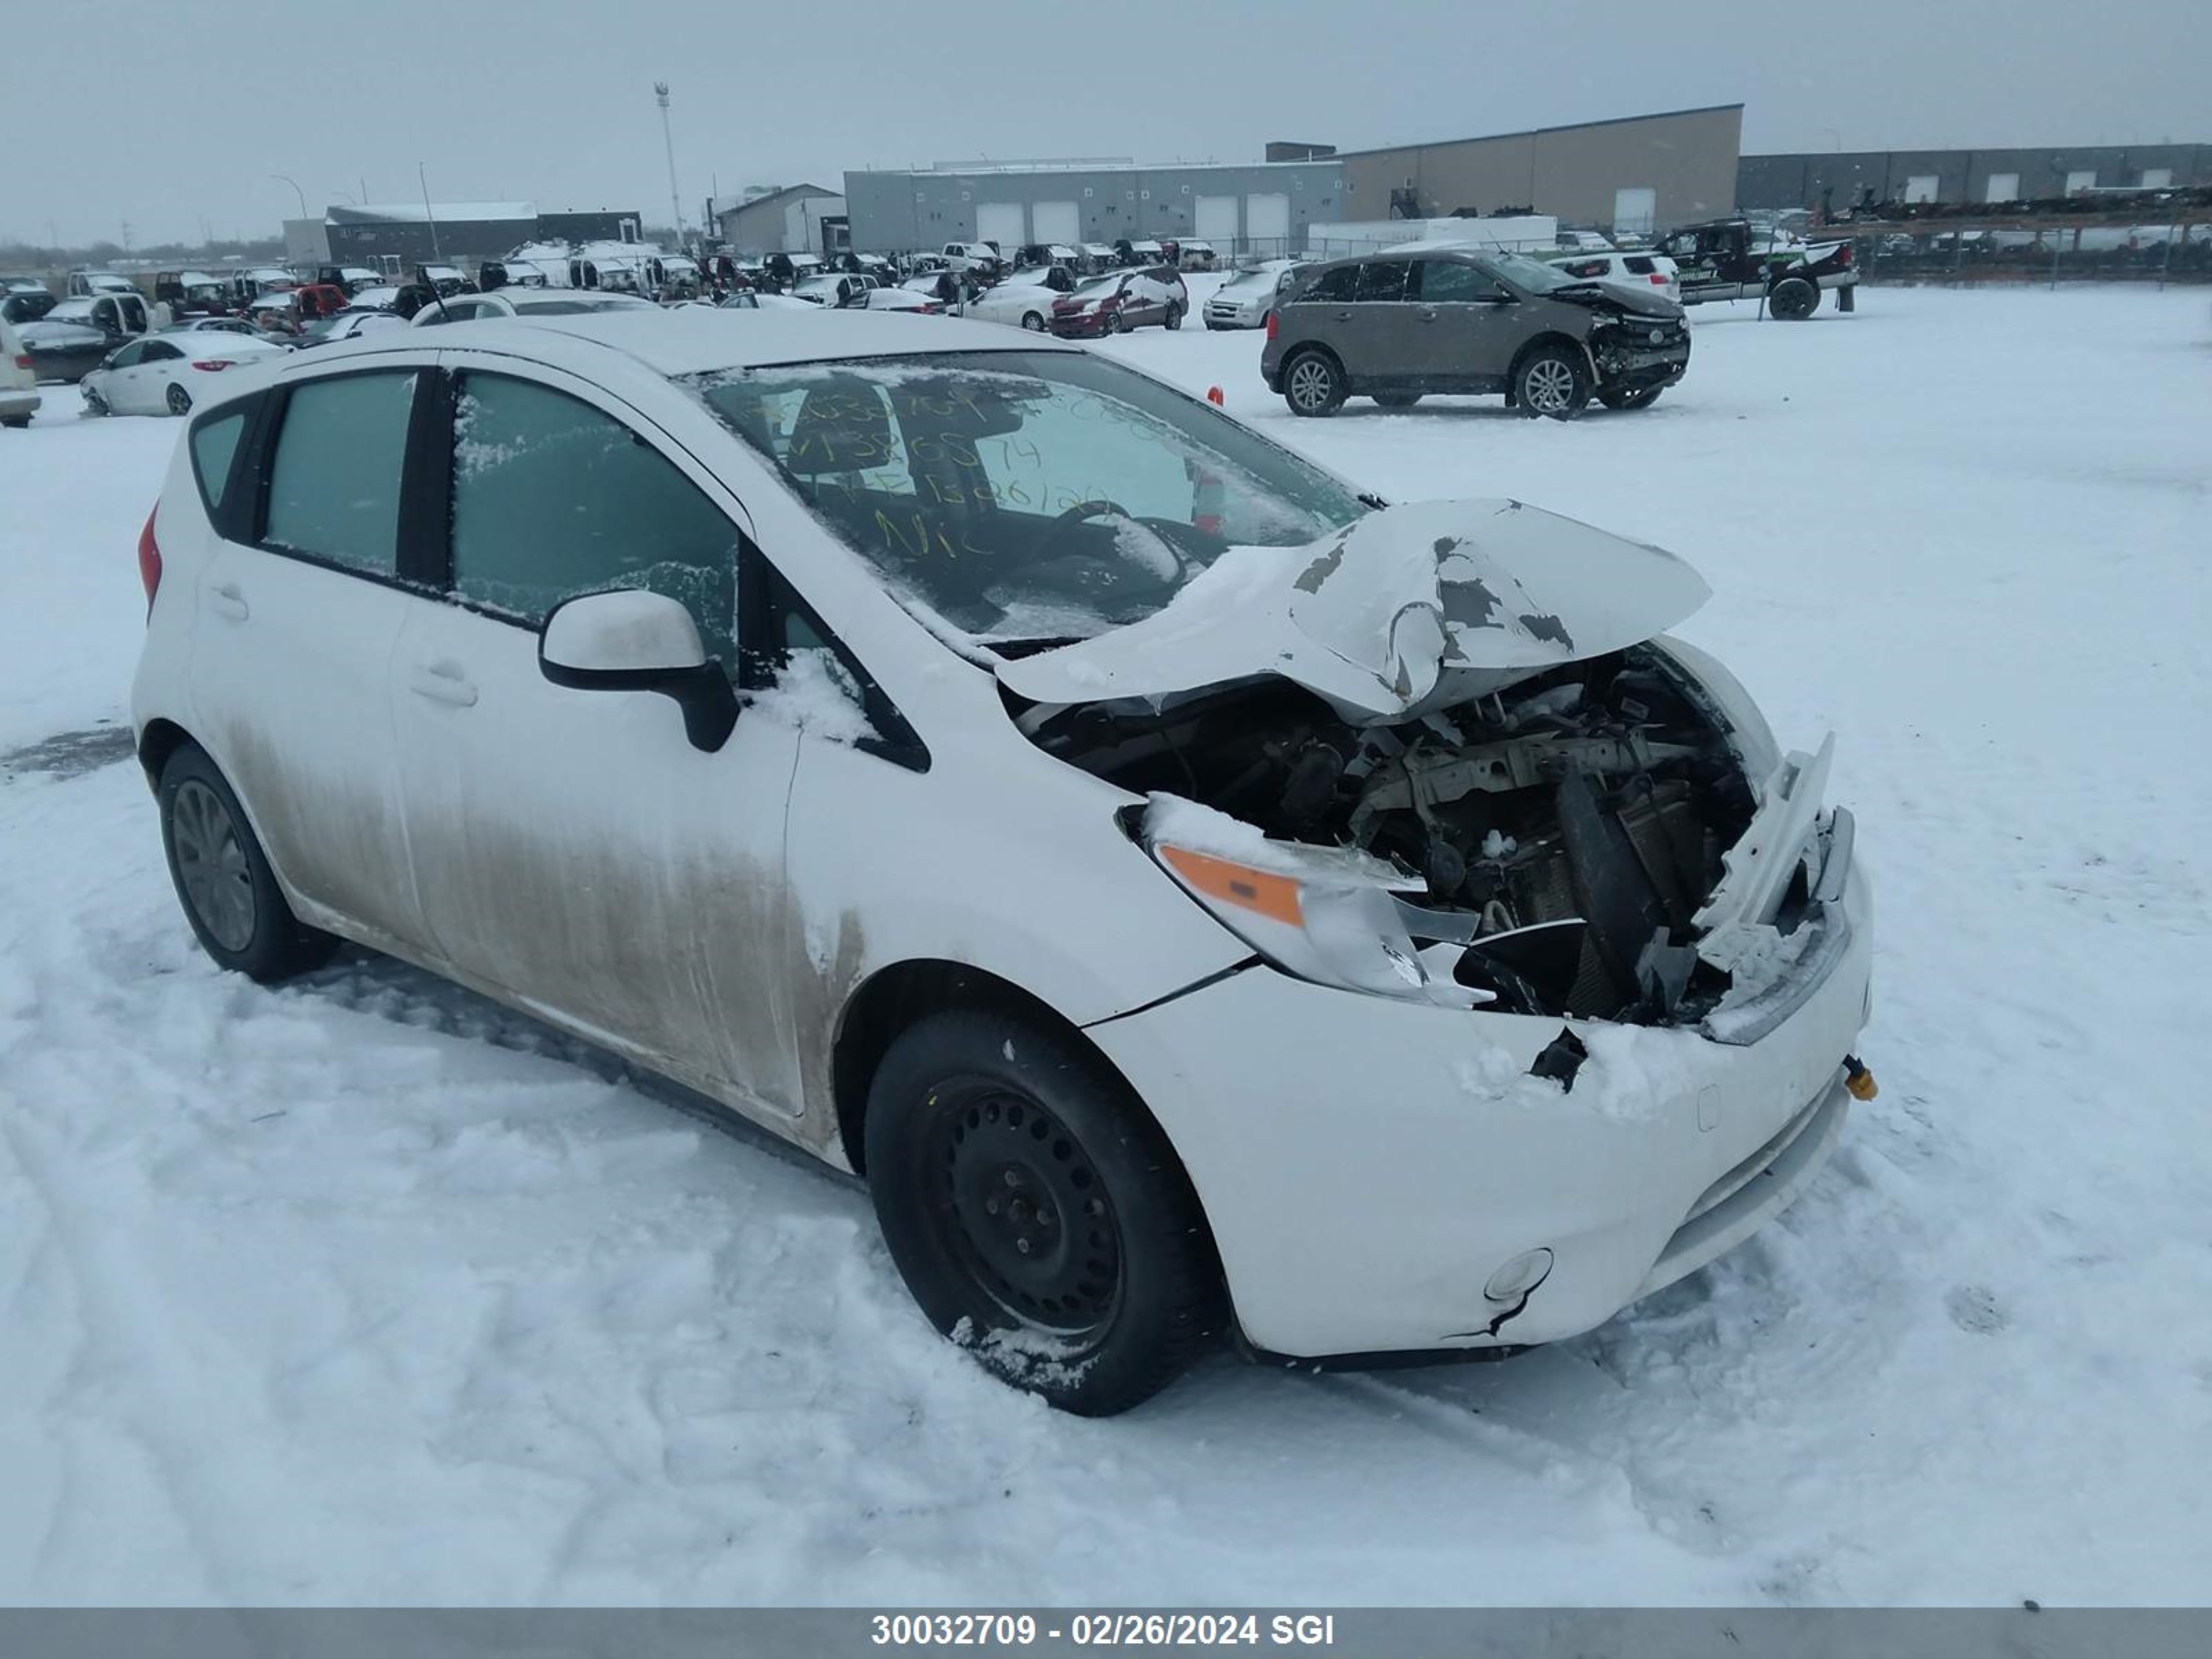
column 1793, row 299
column 987, row 1135
column 1397, row 400
column 1620, row 398
column 94, row 404
column 1174, row 319
column 19, row 422
column 223, row 880
column 1551, row 381
column 178, row 400
column 1116, row 323
column 1313, row 385
column 1033, row 321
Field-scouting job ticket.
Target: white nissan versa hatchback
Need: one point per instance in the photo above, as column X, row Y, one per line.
column 1201, row 900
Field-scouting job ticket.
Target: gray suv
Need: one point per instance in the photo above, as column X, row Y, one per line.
column 1393, row 326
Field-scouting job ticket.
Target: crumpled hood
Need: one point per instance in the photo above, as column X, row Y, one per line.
column 1602, row 295
column 1408, row 609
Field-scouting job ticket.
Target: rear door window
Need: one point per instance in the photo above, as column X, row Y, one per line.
column 1383, row 280
column 334, row 480
column 1337, row 285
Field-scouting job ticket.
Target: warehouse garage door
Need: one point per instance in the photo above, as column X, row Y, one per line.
column 1215, row 220
column 1267, row 221
column 1057, row 221
column 1000, row 222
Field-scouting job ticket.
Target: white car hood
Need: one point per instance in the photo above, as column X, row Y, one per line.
column 1404, row 611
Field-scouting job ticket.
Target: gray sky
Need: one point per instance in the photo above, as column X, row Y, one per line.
column 183, row 107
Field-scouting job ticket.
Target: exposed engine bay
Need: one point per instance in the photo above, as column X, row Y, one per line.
column 1560, row 835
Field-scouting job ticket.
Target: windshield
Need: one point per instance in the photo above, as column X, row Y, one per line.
column 1024, row 494
column 1522, row 272
column 1098, row 285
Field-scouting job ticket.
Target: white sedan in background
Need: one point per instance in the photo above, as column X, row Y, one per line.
column 1645, row 272
column 1025, row 299
column 160, row 374
column 1248, row 299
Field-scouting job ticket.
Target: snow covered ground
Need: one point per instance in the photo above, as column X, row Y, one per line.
column 370, row 1292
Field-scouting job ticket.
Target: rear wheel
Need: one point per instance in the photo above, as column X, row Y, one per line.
column 1397, row 400
column 1794, row 299
column 1313, row 385
column 178, row 400
column 1174, row 319
column 21, row 422
column 223, row 879
column 93, row 403
column 1551, row 381
column 1621, row 397
column 1033, row 321
column 1037, row 1215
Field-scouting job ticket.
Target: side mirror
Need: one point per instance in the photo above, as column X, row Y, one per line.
column 634, row 641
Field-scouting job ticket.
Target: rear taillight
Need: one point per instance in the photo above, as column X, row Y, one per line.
column 1844, row 257
column 1275, row 324
column 23, row 360
column 213, row 364
column 1657, row 280
column 149, row 560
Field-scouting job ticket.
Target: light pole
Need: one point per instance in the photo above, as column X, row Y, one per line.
column 296, row 190
column 675, row 198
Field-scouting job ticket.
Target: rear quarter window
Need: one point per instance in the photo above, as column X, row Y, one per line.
column 214, row 447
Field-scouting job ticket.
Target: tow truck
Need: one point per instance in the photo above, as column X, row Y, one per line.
column 1736, row 259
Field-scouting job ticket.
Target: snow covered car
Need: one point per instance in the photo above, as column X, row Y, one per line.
column 168, row 375
column 75, row 337
column 1025, row 299
column 529, row 303
column 1248, row 299
column 1119, row 301
column 349, row 324
column 1196, row 896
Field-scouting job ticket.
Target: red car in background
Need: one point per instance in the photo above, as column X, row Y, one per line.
column 1118, row 300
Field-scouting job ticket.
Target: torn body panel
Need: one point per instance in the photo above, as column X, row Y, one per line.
column 1411, row 608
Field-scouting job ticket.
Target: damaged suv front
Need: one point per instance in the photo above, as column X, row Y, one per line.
column 1557, row 962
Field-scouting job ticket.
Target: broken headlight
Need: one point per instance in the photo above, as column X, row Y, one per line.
column 1331, row 919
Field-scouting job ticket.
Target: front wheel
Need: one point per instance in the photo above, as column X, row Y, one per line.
column 19, row 422
column 1038, row 1216
column 1174, row 319
column 1116, row 323
column 1622, row 398
column 1551, row 382
column 178, row 400
column 94, row 404
column 223, row 879
column 1313, row 385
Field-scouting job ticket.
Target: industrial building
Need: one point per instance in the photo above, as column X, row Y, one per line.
column 1840, row 178
column 796, row 219
column 1640, row 173
column 1254, row 208
column 398, row 237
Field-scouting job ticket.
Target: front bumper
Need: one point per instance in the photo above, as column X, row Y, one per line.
column 17, row 402
column 1367, row 1164
column 1085, row 326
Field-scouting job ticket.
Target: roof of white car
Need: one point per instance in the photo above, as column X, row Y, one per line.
column 700, row 341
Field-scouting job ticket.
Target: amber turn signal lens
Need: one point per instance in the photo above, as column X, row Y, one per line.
column 1260, row 892
column 1859, row 1081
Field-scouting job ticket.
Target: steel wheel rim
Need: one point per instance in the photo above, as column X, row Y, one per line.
column 1024, row 1212
column 1032, row 322
column 1549, row 386
column 1309, row 384
column 211, row 865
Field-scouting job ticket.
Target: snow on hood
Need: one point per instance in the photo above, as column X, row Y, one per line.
column 1408, row 609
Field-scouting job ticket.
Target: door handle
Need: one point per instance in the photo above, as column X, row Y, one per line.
column 1343, row 316
column 225, row 600
column 443, row 682
column 1428, row 316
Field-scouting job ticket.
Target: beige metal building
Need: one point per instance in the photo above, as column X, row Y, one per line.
column 1639, row 173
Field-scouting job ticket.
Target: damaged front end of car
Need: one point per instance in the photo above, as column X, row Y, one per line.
column 1447, row 754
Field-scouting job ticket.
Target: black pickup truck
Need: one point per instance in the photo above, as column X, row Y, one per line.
column 1736, row 259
